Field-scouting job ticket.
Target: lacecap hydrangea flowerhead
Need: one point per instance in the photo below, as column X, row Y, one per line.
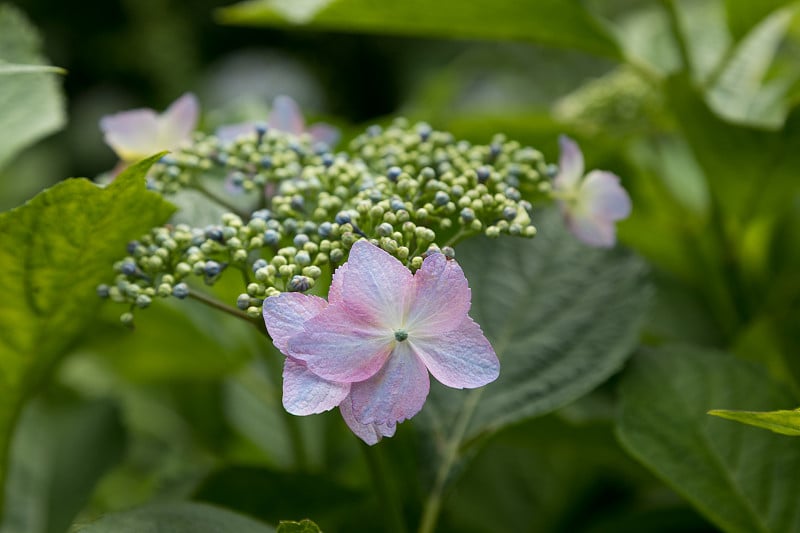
column 139, row 133
column 370, row 348
column 591, row 204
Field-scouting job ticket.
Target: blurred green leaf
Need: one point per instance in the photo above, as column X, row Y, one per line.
column 31, row 103
column 271, row 495
column 58, row 455
column 303, row 526
column 56, row 249
column 556, row 22
column 703, row 29
column 561, row 316
column 741, row 478
column 783, row 422
column 179, row 517
column 738, row 93
column 744, row 14
column 13, row 68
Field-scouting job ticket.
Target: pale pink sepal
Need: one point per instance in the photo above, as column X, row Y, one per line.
column 441, row 296
column 305, row 393
column 369, row 433
column 285, row 314
column 462, row 358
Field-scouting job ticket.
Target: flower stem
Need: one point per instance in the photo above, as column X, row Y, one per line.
column 225, row 308
column 450, row 454
column 386, row 493
column 220, row 201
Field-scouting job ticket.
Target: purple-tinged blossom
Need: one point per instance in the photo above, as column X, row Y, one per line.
column 369, row 349
column 287, row 117
column 591, row 204
column 139, row 133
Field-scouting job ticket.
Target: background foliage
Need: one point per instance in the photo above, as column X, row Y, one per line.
column 692, row 102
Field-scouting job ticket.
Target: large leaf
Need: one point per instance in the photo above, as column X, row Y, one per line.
column 31, row 104
column 742, row 478
column 783, row 422
column 303, row 526
column 739, row 93
column 56, row 249
column 179, row 517
column 58, row 455
column 561, row 316
column 744, row 14
column 557, row 22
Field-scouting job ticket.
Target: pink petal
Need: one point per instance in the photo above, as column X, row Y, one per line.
column 602, row 195
column 394, row 394
column 132, row 134
column 441, row 298
column 601, row 201
column 335, row 290
column 285, row 314
column 595, row 232
column 305, row 393
column 570, row 164
column 324, row 133
column 179, row 121
column 337, row 346
column 462, row 358
column 229, row 133
column 369, row 433
column 376, row 287
column 286, row 116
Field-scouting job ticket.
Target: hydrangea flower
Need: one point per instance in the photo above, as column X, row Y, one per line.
column 285, row 116
column 591, row 204
column 370, row 348
column 139, row 133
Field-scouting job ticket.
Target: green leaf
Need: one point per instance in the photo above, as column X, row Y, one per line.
column 744, row 14
column 739, row 93
column 56, row 249
column 556, row 22
column 179, row 517
column 303, row 526
column 31, row 103
column 783, row 422
column 58, row 455
column 741, row 478
column 561, row 316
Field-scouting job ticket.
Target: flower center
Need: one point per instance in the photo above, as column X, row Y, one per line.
column 400, row 335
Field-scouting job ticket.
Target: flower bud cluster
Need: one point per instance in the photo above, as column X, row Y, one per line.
column 249, row 161
column 408, row 189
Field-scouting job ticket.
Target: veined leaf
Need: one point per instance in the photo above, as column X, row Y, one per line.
column 743, row 479
column 556, row 22
column 178, row 517
column 303, row 526
column 56, row 249
column 783, row 422
column 31, row 103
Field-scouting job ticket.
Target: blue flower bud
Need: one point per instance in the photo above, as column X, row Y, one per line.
column 324, row 229
column 384, row 230
column 441, row 198
column 327, row 160
column 467, row 214
column 128, row 268
column 374, row 130
column 483, row 174
column 180, row 291
column 271, row 237
column 300, row 240
column 509, row 213
column 449, row 252
column 131, row 248
column 393, row 173
column 214, row 233
column 263, row 214
column 143, row 301
column 243, row 301
column 342, row 217
column 212, row 268
column 495, row 149
column 299, row 284
column 259, row 263
column 261, row 130
column 424, row 131
column 266, row 161
column 102, row 291
column 298, row 203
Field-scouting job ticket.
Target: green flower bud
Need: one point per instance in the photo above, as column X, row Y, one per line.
column 143, row 301
column 183, row 269
column 253, row 312
column 164, row 290
column 336, row 255
column 492, row 232
column 126, row 319
column 416, row 262
column 313, row 272
column 239, row 256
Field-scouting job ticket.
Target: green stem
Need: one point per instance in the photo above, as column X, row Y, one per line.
column 386, row 493
column 225, row 308
column 220, row 201
column 433, row 505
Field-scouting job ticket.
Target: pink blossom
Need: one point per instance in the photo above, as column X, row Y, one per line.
column 139, row 133
column 285, row 116
column 591, row 204
column 369, row 350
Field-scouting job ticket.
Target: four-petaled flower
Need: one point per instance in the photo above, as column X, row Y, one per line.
column 138, row 133
column 370, row 347
column 592, row 204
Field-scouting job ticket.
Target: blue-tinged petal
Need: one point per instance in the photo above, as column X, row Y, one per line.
column 570, row 165
column 286, row 116
column 285, row 314
column 305, row 393
column 369, row 433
